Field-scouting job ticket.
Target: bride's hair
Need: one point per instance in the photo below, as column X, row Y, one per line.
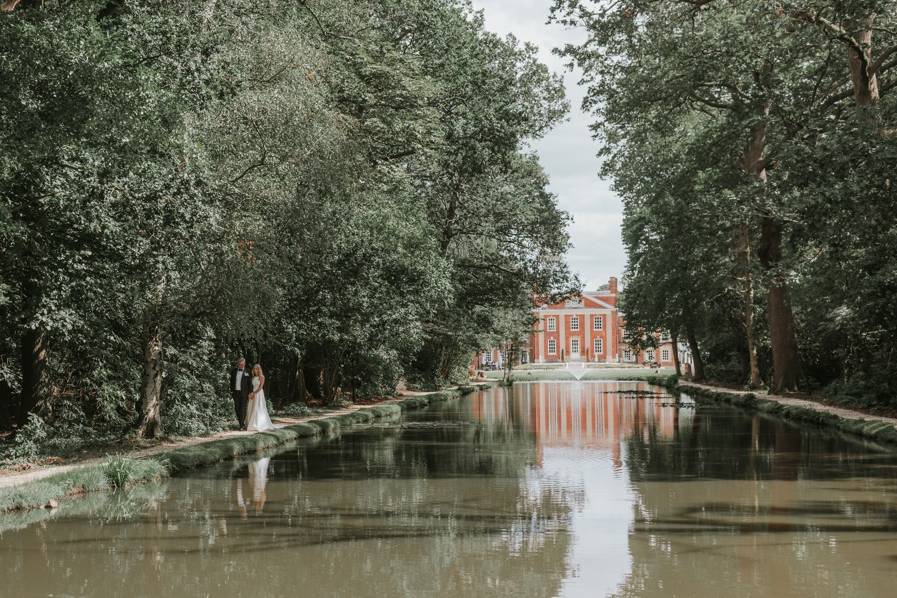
column 258, row 367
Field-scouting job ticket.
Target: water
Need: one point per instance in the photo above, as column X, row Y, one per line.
column 562, row 489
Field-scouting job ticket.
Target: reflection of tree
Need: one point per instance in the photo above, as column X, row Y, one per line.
column 730, row 444
column 407, row 510
column 745, row 503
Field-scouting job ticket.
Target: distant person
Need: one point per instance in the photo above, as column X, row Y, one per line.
column 240, row 387
column 258, row 419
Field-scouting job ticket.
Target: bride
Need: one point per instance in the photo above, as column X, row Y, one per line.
column 257, row 419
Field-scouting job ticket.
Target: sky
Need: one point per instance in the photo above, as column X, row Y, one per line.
column 568, row 152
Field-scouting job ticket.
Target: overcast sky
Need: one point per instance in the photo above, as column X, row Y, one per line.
column 568, row 152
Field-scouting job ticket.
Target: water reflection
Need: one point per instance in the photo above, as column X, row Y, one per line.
column 573, row 489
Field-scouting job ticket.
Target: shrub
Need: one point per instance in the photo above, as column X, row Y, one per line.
column 30, row 439
column 295, row 410
column 122, row 472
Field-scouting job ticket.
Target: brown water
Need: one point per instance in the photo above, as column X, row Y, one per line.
column 561, row 489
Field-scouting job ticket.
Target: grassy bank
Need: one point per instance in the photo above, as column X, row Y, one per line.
column 118, row 472
column 123, row 472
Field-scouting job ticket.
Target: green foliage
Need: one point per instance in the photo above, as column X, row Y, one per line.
column 295, row 410
column 755, row 163
column 333, row 189
column 30, row 440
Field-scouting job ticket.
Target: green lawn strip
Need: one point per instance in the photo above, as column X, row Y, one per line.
column 125, row 472
column 563, row 375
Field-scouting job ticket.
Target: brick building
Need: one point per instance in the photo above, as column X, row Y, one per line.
column 586, row 329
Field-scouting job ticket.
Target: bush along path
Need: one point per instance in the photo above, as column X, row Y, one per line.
column 47, row 487
column 880, row 429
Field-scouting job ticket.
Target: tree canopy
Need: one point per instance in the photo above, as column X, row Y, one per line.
column 753, row 144
column 341, row 191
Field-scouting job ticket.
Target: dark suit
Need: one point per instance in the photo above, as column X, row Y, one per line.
column 241, row 397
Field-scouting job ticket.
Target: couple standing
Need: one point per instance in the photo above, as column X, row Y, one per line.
column 248, row 390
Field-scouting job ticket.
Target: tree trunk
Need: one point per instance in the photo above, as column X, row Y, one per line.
column 330, row 381
column 744, row 252
column 311, row 377
column 781, row 320
column 150, row 409
column 785, row 364
column 34, row 361
column 297, row 380
column 5, row 405
column 698, row 374
column 508, row 363
column 865, row 81
column 674, row 338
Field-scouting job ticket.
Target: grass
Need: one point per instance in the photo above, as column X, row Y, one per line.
column 118, row 472
column 560, row 374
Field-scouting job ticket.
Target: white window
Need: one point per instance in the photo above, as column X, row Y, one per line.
column 487, row 358
column 552, row 324
column 574, row 346
column 552, row 347
column 599, row 346
column 598, row 324
column 665, row 355
column 649, row 355
column 664, row 336
column 574, row 323
column 627, row 355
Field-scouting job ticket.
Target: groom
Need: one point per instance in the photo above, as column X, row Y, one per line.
column 240, row 383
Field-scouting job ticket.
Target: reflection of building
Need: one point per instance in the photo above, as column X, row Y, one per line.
column 587, row 415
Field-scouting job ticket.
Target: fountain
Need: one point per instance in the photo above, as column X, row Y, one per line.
column 577, row 370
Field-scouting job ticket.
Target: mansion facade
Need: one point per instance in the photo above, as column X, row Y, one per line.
column 584, row 329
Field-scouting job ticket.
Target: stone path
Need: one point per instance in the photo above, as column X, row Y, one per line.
column 806, row 404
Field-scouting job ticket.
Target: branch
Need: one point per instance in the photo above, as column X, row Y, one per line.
column 9, row 5
column 251, row 167
column 876, row 66
column 305, row 5
column 711, row 103
column 836, row 30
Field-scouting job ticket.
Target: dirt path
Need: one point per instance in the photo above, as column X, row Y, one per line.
column 804, row 403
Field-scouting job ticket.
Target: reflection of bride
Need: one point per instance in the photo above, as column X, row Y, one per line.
column 258, row 481
column 257, row 419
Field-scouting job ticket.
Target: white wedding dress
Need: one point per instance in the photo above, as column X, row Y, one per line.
column 258, row 419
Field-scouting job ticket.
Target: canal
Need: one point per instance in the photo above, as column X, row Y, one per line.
column 551, row 489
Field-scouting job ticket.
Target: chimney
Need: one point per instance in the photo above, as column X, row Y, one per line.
column 612, row 285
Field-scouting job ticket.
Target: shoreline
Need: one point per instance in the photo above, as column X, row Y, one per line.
column 45, row 488
column 877, row 428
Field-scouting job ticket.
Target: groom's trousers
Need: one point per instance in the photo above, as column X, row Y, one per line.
column 240, row 406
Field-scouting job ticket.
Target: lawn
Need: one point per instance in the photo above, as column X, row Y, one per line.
column 543, row 374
